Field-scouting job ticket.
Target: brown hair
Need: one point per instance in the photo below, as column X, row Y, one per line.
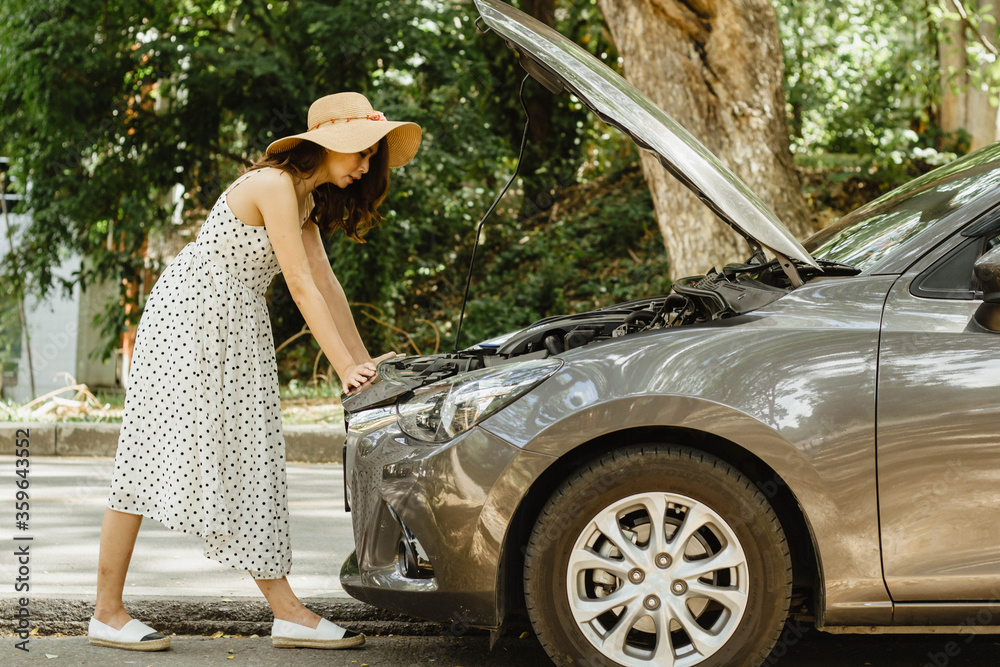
column 353, row 209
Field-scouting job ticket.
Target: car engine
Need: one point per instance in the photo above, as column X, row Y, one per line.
column 736, row 290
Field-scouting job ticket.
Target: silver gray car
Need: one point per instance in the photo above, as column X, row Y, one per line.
column 812, row 433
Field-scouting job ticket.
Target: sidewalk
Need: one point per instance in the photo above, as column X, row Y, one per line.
column 170, row 585
column 311, row 444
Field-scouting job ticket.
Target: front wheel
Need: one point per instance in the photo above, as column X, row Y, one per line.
column 657, row 555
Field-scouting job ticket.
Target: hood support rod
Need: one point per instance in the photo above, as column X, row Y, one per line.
column 789, row 269
column 479, row 230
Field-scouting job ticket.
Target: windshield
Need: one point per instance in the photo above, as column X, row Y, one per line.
column 865, row 236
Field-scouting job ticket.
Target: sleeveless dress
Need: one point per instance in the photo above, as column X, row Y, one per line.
column 201, row 447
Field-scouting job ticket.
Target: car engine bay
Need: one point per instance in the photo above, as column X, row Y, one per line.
column 736, row 290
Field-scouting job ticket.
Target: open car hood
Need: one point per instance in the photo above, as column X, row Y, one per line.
column 559, row 64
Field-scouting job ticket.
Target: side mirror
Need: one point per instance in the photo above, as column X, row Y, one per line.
column 987, row 270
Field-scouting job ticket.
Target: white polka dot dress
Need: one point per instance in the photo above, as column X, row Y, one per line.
column 201, row 446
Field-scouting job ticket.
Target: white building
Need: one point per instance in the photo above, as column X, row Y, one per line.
column 62, row 336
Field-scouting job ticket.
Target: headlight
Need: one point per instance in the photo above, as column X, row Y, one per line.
column 442, row 410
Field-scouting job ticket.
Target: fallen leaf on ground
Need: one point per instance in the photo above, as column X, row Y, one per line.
column 217, row 634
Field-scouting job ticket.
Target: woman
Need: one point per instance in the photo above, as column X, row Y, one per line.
column 201, row 447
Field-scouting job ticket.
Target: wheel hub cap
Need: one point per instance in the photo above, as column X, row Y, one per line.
column 657, row 579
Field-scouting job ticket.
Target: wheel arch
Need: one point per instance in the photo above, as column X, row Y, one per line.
column 806, row 567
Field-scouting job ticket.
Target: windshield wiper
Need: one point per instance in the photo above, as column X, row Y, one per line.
column 827, row 268
column 831, row 268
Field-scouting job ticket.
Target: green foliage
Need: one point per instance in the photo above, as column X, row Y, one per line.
column 545, row 264
column 73, row 129
column 862, row 82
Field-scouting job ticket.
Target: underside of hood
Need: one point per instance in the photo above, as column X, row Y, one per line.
column 560, row 65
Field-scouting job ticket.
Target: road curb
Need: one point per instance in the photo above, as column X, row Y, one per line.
column 42, row 437
column 303, row 443
column 206, row 616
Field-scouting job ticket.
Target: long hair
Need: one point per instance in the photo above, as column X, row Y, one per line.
column 353, row 209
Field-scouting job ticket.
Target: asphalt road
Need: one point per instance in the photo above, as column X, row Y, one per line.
column 67, row 502
column 812, row 649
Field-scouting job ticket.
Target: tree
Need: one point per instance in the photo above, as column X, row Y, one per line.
column 862, row 84
column 716, row 67
column 968, row 55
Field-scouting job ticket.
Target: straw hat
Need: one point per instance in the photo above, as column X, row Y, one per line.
column 346, row 123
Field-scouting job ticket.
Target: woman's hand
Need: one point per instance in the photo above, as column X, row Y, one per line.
column 356, row 376
column 363, row 373
column 387, row 355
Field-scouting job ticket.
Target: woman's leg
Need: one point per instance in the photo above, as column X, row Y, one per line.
column 284, row 604
column 118, row 533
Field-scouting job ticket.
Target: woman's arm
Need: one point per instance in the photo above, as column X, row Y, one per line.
column 333, row 293
column 278, row 205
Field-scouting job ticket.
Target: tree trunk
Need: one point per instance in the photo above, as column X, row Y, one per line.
column 716, row 67
column 965, row 106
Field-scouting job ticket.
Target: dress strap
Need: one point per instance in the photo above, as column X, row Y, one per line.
column 238, row 181
column 310, row 202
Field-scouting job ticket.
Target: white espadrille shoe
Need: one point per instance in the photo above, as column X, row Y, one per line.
column 285, row 634
column 134, row 636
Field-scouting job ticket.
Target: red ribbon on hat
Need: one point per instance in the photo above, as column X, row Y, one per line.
column 374, row 115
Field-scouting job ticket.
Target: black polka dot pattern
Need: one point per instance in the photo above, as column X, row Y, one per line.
column 201, row 446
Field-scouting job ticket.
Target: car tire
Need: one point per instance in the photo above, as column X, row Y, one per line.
column 734, row 613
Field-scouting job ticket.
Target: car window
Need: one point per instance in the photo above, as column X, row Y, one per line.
column 952, row 276
column 867, row 235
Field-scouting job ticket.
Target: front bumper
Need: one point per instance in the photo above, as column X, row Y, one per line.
column 430, row 520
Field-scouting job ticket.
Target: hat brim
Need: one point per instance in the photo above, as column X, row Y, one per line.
column 402, row 137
